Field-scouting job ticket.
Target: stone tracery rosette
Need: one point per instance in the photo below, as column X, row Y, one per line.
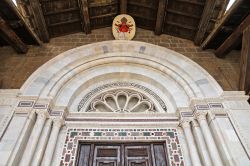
column 121, row 101
column 147, row 93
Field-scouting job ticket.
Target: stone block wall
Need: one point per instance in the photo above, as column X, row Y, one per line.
column 16, row 68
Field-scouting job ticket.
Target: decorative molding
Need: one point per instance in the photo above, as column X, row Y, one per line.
column 21, row 113
column 201, row 107
column 121, row 101
column 221, row 115
column 25, row 104
column 24, row 107
column 187, row 114
column 216, row 105
column 74, row 136
column 118, row 85
column 121, row 120
column 40, row 106
column 55, row 113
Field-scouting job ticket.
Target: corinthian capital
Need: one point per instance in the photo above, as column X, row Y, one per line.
column 185, row 123
column 42, row 114
column 194, row 123
column 58, row 122
column 201, row 115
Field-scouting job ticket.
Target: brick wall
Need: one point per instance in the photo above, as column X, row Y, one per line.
column 16, row 68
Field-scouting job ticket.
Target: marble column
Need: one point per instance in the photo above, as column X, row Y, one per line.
column 201, row 144
column 47, row 158
column 42, row 143
column 34, row 137
column 185, row 124
column 24, row 137
column 184, row 147
column 214, row 153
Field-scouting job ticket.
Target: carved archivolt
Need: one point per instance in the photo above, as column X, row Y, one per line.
column 122, row 101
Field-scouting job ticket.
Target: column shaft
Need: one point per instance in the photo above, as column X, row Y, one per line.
column 21, row 143
column 184, row 147
column 201, row 144
column 33, row 139
column 57, row 123
column 214, row 153
column 228, row 156
column 42, row 144
column 191, row 144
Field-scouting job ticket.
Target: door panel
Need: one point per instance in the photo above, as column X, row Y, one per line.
column 122, row 154
column 107, row 156
column 160, row 155
column 106, row 163
column 137, row 155
column 84, row 155
column 138, row 163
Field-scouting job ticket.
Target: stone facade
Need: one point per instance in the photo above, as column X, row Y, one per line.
column 15, row 69
column 200, row 123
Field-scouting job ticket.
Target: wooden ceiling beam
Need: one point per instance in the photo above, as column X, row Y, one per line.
column 220, row 24
column 123, row 6
column 134, row 3
column 160, row 16
column 93, row 5
column 227, row 45
column 39, row 20
column 62, row 11
column 204, row 21
column 192, row 2
column 244, row 83
column 104, row 15
column 11, row 37
column 181, row 25
column 15, row 23
column 64, row 23
column 183, row 13
column 22, row 21
column 84, row 10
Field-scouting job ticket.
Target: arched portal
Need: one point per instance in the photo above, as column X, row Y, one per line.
column 71, row 75
column 124, row 95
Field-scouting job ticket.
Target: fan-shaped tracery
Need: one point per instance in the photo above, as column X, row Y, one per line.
column 122, row 101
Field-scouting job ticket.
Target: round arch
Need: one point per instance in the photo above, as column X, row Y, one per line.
column 69, row 77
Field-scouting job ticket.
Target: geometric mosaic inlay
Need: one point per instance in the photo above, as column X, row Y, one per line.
column 74, row 135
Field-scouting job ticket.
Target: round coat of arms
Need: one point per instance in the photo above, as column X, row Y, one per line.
column 123, row 27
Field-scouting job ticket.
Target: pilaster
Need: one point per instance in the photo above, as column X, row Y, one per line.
column 212, row 148
column 34, row 137
column 57, row 115
column 185, row 124
column 199, row 139
column 48, row 155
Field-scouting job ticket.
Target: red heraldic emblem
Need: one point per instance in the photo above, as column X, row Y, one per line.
column 123, row 27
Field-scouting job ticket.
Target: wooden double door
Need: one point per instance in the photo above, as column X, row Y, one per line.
column 122, row 154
